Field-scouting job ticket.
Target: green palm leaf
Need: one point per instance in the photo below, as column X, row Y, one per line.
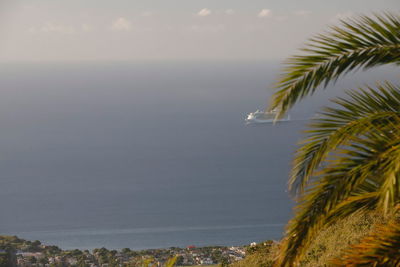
column 364, row 110
column 360, row 143
column 359, row 43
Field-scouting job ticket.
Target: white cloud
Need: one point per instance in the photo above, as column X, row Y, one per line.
column 229, row 12
column 51, row 27
column 264, row 13
column 121, row 24
column 204, row 12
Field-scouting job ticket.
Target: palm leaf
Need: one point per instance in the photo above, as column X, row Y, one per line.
column 362, row 111
column 345, row 188
column 361, row 173
column 359, row 43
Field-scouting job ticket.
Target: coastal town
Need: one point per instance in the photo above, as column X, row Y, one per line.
column 16, row 252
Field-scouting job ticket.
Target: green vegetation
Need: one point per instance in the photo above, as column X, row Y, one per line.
column 381, row 248
column 331, row 243
column 347, row 168
column 348, row 162
column 15, row 243
column 261, row 255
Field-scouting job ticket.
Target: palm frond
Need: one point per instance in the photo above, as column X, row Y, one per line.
column 359, row 113
column 381, row 248
column 362, row 153
column 345, row 188
column 359, row 43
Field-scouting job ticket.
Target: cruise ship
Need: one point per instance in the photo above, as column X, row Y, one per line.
column 265, row 117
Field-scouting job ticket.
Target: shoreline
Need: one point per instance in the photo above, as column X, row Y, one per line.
column 20, row 252
column 154, row 238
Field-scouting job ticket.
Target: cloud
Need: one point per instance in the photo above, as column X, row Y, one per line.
column 229, row 12
column 51, row 27
column 264, row 13
column 121, row 24
column 204, row 12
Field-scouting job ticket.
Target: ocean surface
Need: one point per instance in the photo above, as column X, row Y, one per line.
column 146, row 154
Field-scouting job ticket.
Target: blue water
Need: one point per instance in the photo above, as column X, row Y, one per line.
column 144, row 155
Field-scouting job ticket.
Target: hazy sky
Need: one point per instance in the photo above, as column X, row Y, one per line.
column 60, row 30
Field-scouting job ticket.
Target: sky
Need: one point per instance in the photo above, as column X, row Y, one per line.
column 140, row 30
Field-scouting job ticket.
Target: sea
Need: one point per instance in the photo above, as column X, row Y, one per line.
column 148, row 154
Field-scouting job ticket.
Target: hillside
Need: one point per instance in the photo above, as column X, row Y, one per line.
column 329, row 244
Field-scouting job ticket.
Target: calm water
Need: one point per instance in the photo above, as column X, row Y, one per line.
column 143, row 155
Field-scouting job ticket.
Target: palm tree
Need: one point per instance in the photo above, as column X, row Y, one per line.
column 350, row 159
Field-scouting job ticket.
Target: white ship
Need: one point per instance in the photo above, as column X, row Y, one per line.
column 265, row 117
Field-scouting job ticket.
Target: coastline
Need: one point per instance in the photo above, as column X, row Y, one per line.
column 20, row 252
column 154, row 237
